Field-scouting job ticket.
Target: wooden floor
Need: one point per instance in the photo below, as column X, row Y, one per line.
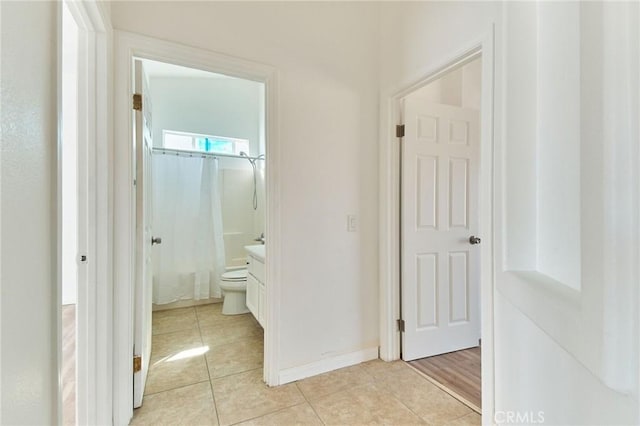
column 457, row 371
column 69, row 364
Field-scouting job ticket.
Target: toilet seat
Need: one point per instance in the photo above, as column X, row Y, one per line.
column 239, row 275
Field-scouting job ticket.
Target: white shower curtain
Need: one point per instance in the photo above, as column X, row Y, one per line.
column 187, row 215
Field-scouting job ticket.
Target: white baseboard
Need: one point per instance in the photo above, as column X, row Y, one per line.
column 328, row 364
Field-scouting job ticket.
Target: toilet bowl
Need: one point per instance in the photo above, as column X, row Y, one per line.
column 234, row 286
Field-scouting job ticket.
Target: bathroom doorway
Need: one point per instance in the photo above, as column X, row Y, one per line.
column 200, row 227
column 128, row 48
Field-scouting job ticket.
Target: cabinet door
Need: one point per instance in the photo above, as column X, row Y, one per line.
column 253, row 297
column 261, row 307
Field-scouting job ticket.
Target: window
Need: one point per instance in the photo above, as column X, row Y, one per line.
column 204, row 143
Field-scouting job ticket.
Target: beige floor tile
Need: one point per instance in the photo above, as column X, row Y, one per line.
column 431, row 403
column 174, row 320
column 235, row 357
column 380, row 369
column 190, row 405
column 172, row 372
column 211, row 315
column 334, row 381
column 244, row 396
column 217, row 335
column 365, row 404
column 175, row 342
column 299, row 415
column 472, row 419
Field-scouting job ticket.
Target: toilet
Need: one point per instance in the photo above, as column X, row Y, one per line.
column 234, row 286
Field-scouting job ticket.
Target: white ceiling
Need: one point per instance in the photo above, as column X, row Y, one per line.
column 160, row 69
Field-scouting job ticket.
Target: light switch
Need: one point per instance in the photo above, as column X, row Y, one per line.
column 352, row 223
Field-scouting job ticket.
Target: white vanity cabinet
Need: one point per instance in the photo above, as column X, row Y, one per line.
column 255, row 283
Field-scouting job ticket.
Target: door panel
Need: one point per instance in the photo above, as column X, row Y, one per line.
column 458, row 287
column 440, row 269
column 427, row 287
column 144, row 278
column 427, row 187
column 458, row 195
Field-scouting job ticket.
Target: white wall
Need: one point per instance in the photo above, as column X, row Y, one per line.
column 69, row 158
column 535, row 374
column 238, row 216
column 326, row 55
column 227, row 107
column 551, row 352
column 29, row 306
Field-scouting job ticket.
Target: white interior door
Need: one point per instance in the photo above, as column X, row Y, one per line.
column 439, row 213
column 144, row 277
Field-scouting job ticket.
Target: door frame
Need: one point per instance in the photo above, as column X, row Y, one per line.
column 93, row 309
column 391, row 114
column 128, row 46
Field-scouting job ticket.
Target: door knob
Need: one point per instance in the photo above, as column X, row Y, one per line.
column 156, row 240
column 474, row 240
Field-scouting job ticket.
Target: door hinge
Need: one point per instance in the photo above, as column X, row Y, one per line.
column 401, row 325
column 137, row 363
column 400, row 131
column 137, row 102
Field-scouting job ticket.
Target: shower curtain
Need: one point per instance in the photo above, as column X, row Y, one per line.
column 187, row 215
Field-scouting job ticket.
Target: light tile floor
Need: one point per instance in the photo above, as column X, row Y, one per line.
column 206, row 369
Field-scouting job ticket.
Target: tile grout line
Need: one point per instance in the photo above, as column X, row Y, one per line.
column 235, row 372
column 375, row 382
column 363, row 370
column 390, row 395
column 309, row 402
column 179, row 329
column 151, row 356
column 199, row 326
column 172, row 331
column 268, row 414
column 206, row 361
column 444, row 388
column 172, row 389
column 372, row 380
column 465, row 415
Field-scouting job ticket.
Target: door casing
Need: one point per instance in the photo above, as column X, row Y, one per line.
column 389, row 272
column 93, row 314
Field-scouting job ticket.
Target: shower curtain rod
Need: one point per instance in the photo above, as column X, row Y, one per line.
column 185, row 153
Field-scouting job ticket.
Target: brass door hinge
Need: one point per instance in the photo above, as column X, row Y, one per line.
column 137, row 363
column 137, row 102
column 401, row 325
column 400, row 131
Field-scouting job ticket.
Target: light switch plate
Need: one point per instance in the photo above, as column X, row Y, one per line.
column 352, row 223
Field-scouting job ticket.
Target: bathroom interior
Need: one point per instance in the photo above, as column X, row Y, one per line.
column 208, row 221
